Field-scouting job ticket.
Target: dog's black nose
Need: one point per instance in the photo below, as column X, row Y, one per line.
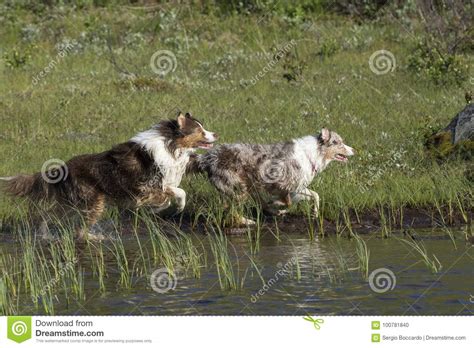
column 216, row 136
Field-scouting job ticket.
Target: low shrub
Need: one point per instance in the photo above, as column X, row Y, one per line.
column 441, row 68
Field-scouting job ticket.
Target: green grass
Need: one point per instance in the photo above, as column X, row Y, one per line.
column 431, row 262
column 223, row 261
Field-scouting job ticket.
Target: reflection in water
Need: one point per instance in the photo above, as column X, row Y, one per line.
column 293, row 276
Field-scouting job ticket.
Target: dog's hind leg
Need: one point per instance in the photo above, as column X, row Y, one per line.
column 236, row 217
column 45, row 217
column 91, row 215
column 307, row 195
column 156, row 201
column 44, row 230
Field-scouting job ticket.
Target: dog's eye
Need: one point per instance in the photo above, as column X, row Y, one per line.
column 334, row 142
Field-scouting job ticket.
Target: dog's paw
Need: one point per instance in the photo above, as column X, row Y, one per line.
column 316, row 209
column 84, row 235
column 47, row 237
column 279, row 203
column 179, row 208
column 180, row 199
column 275, row 211
column 246, row 222
column 159, row 209
column 95, row 236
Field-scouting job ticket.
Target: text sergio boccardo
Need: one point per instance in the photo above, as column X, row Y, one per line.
column 401, row 325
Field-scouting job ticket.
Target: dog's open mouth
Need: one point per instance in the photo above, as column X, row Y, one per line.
column 341, row 158
column 205, row 145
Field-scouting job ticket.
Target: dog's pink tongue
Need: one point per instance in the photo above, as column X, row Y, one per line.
column 341, row 158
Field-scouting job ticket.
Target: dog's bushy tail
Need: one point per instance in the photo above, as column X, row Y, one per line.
column 194, row 164
column 33, row 187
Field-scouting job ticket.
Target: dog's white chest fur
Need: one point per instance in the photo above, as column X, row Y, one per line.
column 172, row 166
column 308, row 156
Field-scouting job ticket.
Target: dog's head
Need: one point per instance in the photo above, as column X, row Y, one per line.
column 333, row 147
column 193, row 134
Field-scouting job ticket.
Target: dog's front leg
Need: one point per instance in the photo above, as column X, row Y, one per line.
column 179, row 197
column 280, row 206
column 162, row 206
column 307, row 195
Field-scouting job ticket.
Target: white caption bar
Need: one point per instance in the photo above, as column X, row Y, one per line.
column 236, row 332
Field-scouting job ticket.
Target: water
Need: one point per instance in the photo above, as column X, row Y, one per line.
column 319, row 277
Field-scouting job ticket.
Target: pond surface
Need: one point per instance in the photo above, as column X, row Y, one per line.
column 295, row 276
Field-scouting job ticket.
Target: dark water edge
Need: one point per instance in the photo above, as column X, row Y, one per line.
column 367, row 221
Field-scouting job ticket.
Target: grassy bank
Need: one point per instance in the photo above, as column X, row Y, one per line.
column 255, row 78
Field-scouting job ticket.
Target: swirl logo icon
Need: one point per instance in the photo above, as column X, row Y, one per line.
column 163, row 62
column 54, row 171
column 273, row 171
column 162, row 281
column 382, row 280
column 19, row 329
column 382, row 62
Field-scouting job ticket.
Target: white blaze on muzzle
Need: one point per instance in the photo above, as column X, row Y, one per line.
column 209, row 139
column 209, row 136
column 350, row 150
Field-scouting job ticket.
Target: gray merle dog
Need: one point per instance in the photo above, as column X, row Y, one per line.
column 283, row 170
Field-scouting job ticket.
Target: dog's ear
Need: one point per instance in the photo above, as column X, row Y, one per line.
column 325, row 135
column 181, row 120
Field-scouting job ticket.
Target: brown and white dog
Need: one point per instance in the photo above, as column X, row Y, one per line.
column 144, row 171
column 283, row 170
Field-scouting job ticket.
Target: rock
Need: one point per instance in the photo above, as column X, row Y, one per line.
column 457, row 139
column 462, row 125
